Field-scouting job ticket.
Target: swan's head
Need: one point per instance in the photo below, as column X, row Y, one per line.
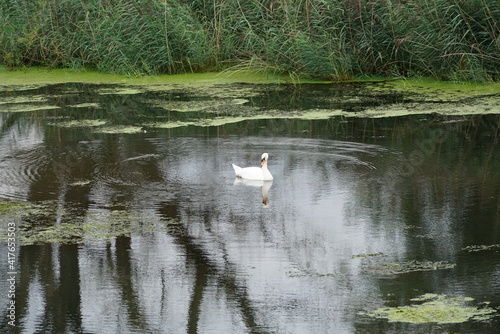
column 263, row 159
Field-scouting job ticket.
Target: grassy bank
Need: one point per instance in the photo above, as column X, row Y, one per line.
column 327, row 39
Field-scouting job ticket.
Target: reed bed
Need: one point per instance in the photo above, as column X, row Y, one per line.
column 326, row 39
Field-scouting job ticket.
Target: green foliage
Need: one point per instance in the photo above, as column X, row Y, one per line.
column 328, row 39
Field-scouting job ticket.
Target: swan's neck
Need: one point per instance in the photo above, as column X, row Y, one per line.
column 266, row 173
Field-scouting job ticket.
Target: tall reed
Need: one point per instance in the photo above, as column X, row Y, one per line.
column 328, row 39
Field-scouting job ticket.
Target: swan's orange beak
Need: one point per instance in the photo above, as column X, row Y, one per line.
column 262, row 162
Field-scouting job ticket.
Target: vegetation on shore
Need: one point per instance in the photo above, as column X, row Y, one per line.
column 326, row 39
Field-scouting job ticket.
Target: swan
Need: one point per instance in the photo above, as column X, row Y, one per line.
column 255, row 173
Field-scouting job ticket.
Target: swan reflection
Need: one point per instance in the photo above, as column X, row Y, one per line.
column 265, row 185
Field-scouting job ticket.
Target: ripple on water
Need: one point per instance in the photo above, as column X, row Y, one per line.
column 181, row 161
column 18, row 172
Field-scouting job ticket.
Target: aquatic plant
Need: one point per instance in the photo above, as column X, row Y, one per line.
column 79, row 123
column 478, row 248
column 37, row 223
column 435, row 308
column 115, row 129
column 328, row 39
column 12, row 208
column 391, row 268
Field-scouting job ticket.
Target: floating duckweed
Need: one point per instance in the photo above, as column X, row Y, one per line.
column 26, row 107
column 218, row 121
column 391, row 268
column 367, row 255
column 47, row 222
column 23, row 99
column 200, row 105
column 85, row 105
column 168, row 125
column 317, row 114
column 11, row 207
column 478, row 248
column 433, row 235
column 119, row 91
column 81, row 183
column 269, row 114
column 294, row 274
column 439, row 309
column 239, row 101
column 119, row 129
column 63, row 233
column 79, row 123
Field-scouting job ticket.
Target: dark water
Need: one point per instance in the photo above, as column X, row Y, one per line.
column 363, row 213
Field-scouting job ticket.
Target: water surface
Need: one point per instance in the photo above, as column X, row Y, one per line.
column 129, row 218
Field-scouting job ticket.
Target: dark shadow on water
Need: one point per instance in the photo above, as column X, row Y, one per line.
column 207, row 273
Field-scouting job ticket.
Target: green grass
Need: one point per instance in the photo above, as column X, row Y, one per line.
column 326, row 39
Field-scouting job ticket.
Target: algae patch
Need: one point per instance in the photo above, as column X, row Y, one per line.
column 119, row 129
column 49, row 222
column 206, row 105
column 85, row 105
column 80, row 183
column 23, row 99
column 168, row 125
column 12, row 208
column 119, row 91
column 252, row 114
column 26, row 107
column 479, row 248
column 392, row 268
column 98, row 125
column 439, row 309
column 41, row 76
column 364, row 256
column 80, row 123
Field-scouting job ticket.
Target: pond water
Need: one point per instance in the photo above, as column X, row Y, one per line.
column 128, row 217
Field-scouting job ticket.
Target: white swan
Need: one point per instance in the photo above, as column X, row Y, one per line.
column 255, row 173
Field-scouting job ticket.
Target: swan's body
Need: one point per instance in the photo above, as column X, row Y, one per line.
column 255, row 173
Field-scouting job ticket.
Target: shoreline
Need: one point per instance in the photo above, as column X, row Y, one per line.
column 422, row 96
